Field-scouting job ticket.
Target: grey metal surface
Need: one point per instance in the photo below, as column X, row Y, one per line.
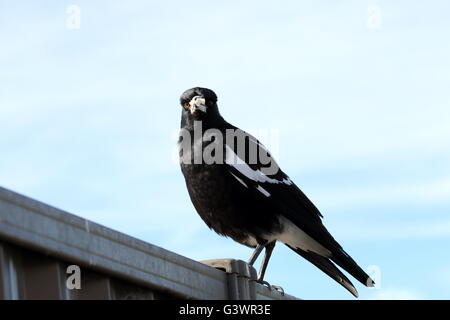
column 94, row 287
column 10, row 285
column 242, row 283
column 43, row 278
column 241, row 276
column 4, row 281
column 38, row 241
column 44, row 228
column 264, row 293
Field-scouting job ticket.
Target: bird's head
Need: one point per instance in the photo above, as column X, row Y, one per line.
column 199, row 102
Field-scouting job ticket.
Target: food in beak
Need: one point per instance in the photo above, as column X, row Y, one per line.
column 197, row 102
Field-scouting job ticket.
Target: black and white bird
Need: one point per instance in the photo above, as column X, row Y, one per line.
column 239, row 191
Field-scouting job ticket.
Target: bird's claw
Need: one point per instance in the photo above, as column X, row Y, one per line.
column 264, row 283
column 278, row 288
column 271, row 287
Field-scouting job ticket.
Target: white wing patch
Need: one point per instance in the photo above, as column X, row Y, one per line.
column 233, row 160
column 263, row 191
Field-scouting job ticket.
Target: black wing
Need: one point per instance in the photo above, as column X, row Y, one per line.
column 275, row 186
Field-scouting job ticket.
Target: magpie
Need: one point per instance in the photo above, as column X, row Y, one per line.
column 240, row 192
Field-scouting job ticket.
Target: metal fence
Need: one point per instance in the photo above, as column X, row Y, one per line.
column 39, row 243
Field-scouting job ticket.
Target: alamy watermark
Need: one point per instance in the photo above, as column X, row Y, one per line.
column 231, row 146
column 73, row 19
column 74, row 279
column 373, row 17
column 374, row 273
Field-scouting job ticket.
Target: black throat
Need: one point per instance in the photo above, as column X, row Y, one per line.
column 210, row 119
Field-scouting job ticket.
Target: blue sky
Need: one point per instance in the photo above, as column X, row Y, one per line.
column 360, row 111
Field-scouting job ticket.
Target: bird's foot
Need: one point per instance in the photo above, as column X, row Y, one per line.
column 271, row 287
column 264, row 283
column 278, row 288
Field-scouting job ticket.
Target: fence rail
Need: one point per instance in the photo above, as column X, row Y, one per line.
column 38, row 242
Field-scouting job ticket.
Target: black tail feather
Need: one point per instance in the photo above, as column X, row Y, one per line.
column 342, row 259
column 328, row 267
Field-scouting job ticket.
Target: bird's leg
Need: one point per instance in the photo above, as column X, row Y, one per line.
column 269, row 248
column 256, row 254
column 268, row 252
column 262, row 270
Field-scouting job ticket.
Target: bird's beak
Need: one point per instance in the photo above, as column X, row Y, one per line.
column 197, row 103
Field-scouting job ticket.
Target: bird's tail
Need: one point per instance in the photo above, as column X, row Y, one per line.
column 342, row 259
column 328, row 267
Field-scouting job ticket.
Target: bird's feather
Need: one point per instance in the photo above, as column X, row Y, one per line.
column 249, row 198
column 329, row 268
column 292, row 204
